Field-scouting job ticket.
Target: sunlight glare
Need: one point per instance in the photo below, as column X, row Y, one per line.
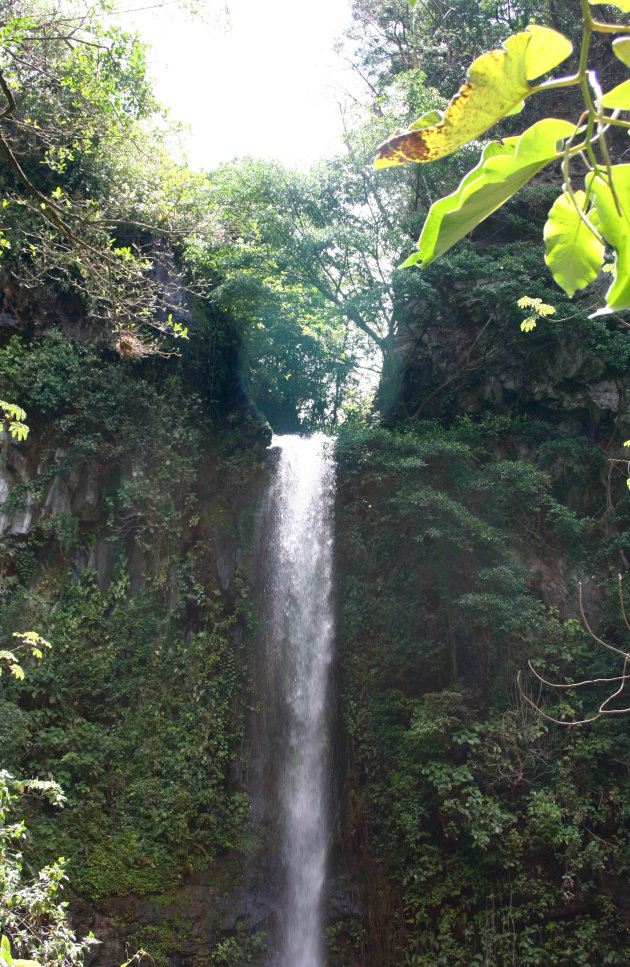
column 257, row 79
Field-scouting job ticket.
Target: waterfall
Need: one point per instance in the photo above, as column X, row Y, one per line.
column 299, row 637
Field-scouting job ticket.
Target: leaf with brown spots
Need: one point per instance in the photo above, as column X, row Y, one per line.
column 496, row 86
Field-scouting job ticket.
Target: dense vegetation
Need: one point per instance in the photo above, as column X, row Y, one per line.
column 152, row 320
column 483, row 834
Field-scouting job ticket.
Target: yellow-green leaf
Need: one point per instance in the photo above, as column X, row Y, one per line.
column 573, row 254
column 546, row 49
column 426, row 120
column 19, row 430
column 5, row 950
column 622, row 4
column 505, row 167
column 515, row 110
column 541, row 309
column 621, row 48
column 11, row 410
column 497, row 84
column 618, row 97
column 615, row 228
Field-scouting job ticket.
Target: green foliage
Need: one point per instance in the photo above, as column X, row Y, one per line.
column 14, row 416
column 48, row 373
column 281, row 270
column 164, row 803
column 238, row 951
column 539, row 310
column 30, row 641
column 33, row 917
column 483, row 833
column 155, row 941
column 614, row 225
column 90, row 185
column 146, row 782
column 564, row 233
column 150, row 784
column 580, row 223
column 146, row 435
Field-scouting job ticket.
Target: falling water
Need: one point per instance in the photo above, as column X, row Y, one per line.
column 300, row 636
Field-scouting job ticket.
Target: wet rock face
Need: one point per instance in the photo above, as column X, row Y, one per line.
column 452, row 360
column 194, row 918
column 17, row 468
column 222, row 902
column 79, row 491
column 29, row 310
column 228, row 556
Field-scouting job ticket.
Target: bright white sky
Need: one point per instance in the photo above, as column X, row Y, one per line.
column 255, row 77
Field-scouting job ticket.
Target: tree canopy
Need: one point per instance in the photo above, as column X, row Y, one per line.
column 89, row 183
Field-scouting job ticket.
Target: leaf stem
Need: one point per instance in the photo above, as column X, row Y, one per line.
column 570, row 81
column 603, row 28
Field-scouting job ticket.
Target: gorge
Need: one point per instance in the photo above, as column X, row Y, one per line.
column 455, row 560
column 240, row 793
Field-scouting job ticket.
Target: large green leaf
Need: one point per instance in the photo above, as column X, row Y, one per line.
column 505, row 167
column 615, row 227
column 497, row 84
column 573, row 254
